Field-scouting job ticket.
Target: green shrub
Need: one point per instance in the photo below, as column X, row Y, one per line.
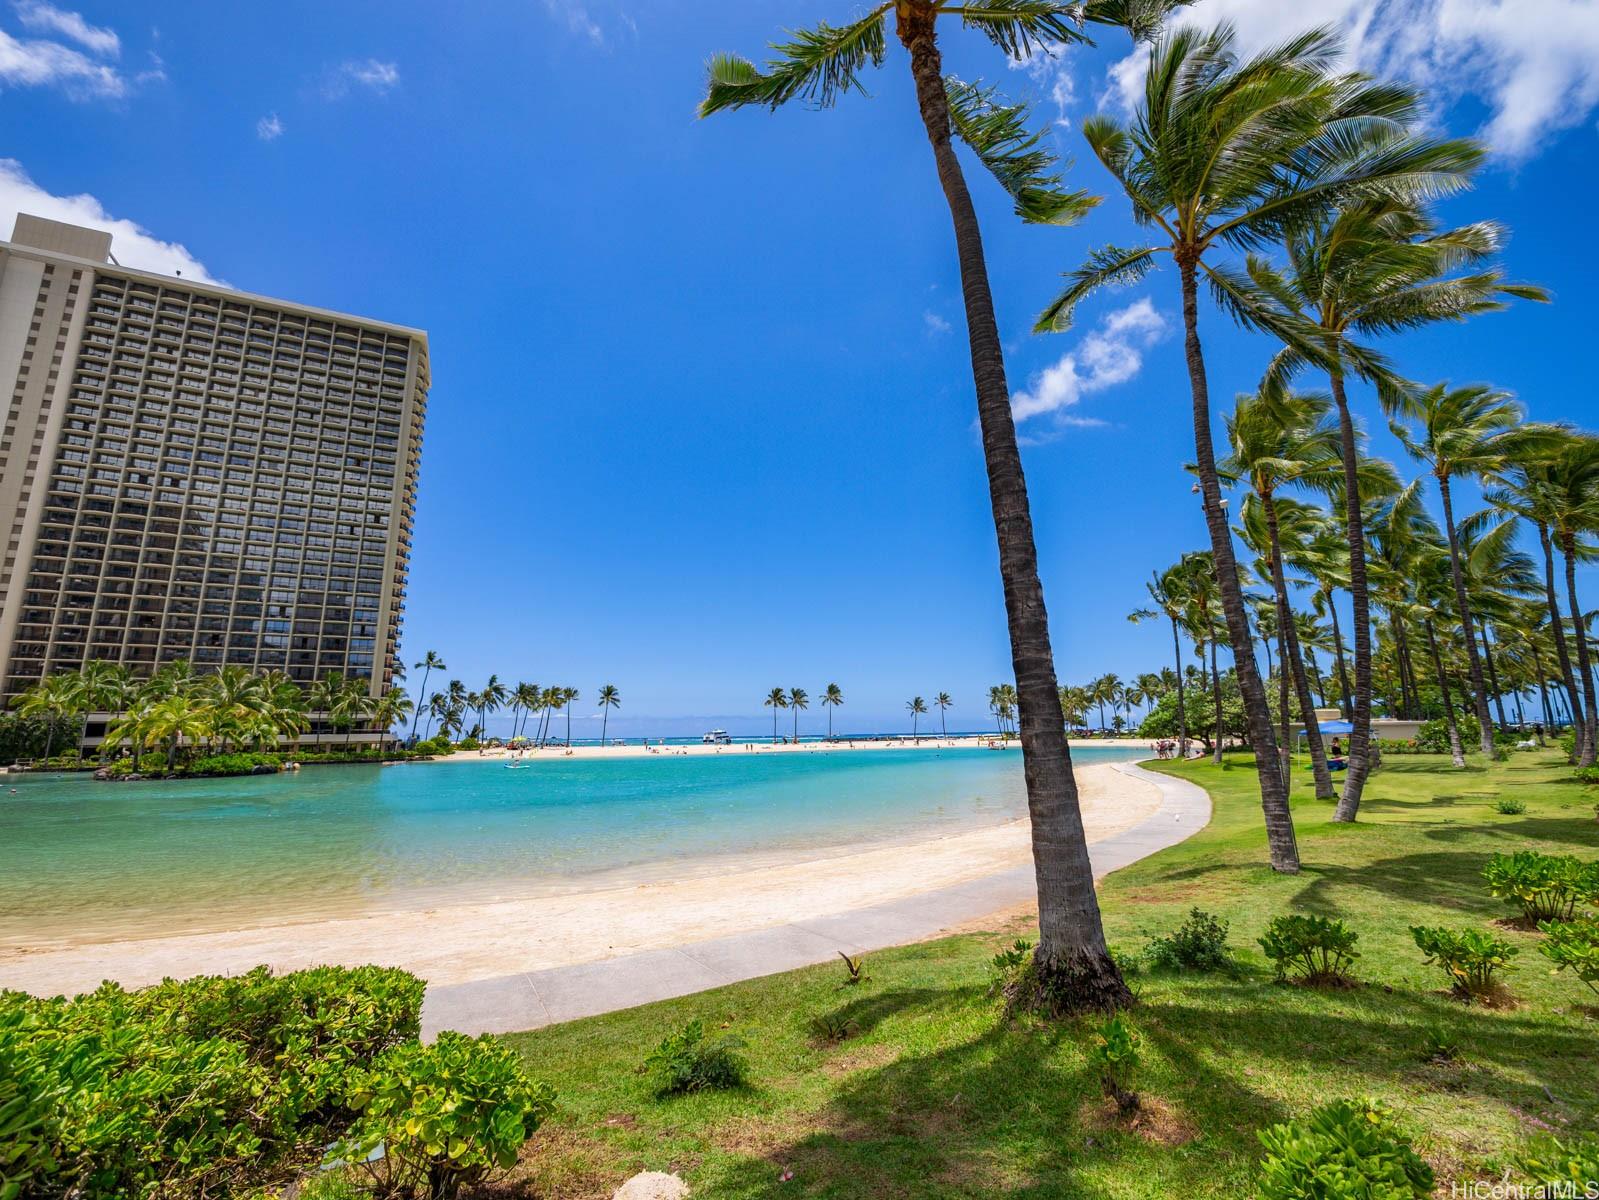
column 446, row 1114
column 203, row 1086
column 1198, row 944
column 1345, row 1150
column 28, row 1131
column 1011, row 958
column 1313, row 950
column 689, row 1061
column 468, row 743
column 1468, row 956
column 1573, row 946
column 1115, row 1056
column 1440, row 1044
column 1511, row 806
column 1546, row 886
column 1433, row 736
column 1571, row 1164
column 1587, row 774
column 832, row 1026
column 231, row 764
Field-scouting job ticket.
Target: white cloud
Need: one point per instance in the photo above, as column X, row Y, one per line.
column 371, row 73
column 577, row 20
column 935, row 323
column 1051, row 69
column 1111, row 354
column 1533, row 63
column 47, row 18
column 269, row 128
column 32, row 62
column 133, row 245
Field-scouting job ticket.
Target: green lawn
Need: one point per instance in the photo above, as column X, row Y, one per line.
column 934, row 1094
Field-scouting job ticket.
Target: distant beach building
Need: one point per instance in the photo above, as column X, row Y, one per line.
column 191, row 472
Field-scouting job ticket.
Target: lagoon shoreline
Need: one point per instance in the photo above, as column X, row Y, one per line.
column 638, row 749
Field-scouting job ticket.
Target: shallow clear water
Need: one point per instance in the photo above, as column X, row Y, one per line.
column 81, row 860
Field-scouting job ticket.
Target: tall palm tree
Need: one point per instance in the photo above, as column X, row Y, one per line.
column 943, row 701
column 775, row 699
column 820, row 65
column 609, row 698
column 391, row 708
column 832, row 697
column 430, row 662
column 1373, row 265
column 798, row 700
column 1573, row 487
column 1280, row 439
column 1468, row 431
column 917, row 707
column 1168, row 590
column 569, row 697
column 53, row 700
column 1223, row 152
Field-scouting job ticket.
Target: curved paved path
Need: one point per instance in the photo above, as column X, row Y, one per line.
column 532, row 999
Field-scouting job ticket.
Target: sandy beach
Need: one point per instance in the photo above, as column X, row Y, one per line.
column 638, row 749
column 461, row 942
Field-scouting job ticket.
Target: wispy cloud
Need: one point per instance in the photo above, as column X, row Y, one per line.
column 935, row 323
column 1051, row 69
column 575, row 17
column 47, row 18
column 133, row 245
column 40, row 62
column 371, row 73
column 269, row 128
column 1534, row 64
column 1111, row 354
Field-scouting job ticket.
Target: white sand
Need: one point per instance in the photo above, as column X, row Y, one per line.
column 460, row 942
column 636, row 749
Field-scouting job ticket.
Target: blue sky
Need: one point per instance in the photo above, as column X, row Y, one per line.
column 702, row 418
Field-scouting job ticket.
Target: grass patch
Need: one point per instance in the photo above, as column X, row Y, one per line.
column 931, row 1093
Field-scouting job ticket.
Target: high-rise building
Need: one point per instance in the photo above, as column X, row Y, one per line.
column 192, row 472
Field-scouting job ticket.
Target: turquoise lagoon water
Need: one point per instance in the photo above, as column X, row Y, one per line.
column 81, row 860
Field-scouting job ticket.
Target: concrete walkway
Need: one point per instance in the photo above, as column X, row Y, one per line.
column 535, row 998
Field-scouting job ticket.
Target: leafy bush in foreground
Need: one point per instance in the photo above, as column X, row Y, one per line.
column 689, row 1061
column 1342, row 1151
column 1573, row 946
column 197, row 1087
column 446, row 1115
column 1510, row 806
column 1115, row 1057
column 1312, row 949
column 1469, row 957
column 1573, row 1163
column 1198, row 944
column 1546, row 886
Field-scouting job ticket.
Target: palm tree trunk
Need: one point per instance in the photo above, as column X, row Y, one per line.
column 416, row 714
column 1182, row 712
column 1493, row 675
column 1562, row 655
column 1359, row 756
column 605, row 723
column 1543, row 685
column 1273, row 796
column 1479, row 692
column 1568, row 546
column 1456, row 751
column 1071, row 960
column 1215, row 703
column 1290, row 652
column 1346, row 698
column 1409, row 690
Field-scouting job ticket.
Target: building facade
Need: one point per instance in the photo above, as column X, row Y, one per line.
column 191, row 472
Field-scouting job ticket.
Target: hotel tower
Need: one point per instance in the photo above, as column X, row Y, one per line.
column 191, row 472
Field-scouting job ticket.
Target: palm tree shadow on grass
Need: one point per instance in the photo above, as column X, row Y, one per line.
column 1571, row 830
column 1448, row 879
column 865, row 1012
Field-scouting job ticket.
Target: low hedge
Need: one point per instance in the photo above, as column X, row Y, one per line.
column 208, row 766
column 217, row 1085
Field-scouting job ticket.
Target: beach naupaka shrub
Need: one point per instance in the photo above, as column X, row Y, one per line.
column 1573, row 946
column 1548, row 887
column 1115, row 1056
column 198, row 1087
column 1346, row 1150
column 1198, row 944
column 1470, row 957
column 691, row 1060
column 1312, row 950
column 445, row 1115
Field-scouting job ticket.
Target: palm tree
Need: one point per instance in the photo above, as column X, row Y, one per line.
column 430, row 662
column 797, row 700
column 392, row 707
column 1467, row 431
column 438, row 708
column 53, row 700
column 1372, row 266
column 569, row 697
column 609, row 698
column 832, row 697
column 1168, row 590
column 172, row 720
column 819, row 66
column 916, row 707
column 943, row 701
column 775, row 699
column 1573, row 488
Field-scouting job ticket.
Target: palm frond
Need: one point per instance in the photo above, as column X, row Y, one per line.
column 1021, row 28
column 1109, row 266
column 1142, row 19
column 1014, row 154
column 817, row 65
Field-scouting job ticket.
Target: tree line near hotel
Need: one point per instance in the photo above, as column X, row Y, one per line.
column 1302, row 197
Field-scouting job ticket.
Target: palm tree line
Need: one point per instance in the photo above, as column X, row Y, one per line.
column 226, row 709
column 1300, row 194
column 455, row 712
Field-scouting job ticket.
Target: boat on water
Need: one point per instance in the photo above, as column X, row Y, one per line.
column 717, row 737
